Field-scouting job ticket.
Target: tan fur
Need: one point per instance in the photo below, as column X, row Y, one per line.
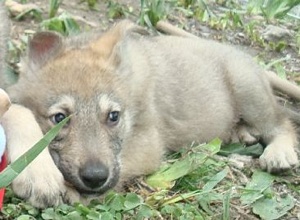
column 168, row 91
column 41, row 182
column 276, row 82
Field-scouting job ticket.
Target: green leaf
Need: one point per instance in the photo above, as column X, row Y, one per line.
column 132, row 201
column 273, row 208
column 260, row 196
column 165, row 177
column 93, row 215
column 144, row 212
column 257, row 188
column 82, row 209
column 237, row 148
column 15, row 168
column 117, row 203
column 207, row 194
column 63, row 24
column 106, row 216
column 215, row 180
column 24, row 217
column 71, row 27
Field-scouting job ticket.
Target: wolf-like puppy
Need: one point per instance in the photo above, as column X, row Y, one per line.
column 132, row 97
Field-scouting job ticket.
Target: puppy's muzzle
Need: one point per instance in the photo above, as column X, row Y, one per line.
column 94, row 174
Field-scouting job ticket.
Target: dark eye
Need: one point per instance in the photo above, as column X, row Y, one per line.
column 58, row 118
column 113, row 117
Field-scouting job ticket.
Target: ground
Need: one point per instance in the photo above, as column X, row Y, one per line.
column 217, row 187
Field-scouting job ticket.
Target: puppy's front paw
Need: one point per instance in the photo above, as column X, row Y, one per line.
column 41, row 184
column 278, row 158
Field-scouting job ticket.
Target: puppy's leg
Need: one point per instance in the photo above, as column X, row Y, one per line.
column 41, row 183
column 258, row 108
column 245, row 135
column 276, row 131
column 142, row 154
column 280, row 153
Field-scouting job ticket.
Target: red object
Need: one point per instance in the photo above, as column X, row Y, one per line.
column 3, row 164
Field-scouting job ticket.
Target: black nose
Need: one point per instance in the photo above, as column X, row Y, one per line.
column 93, row 174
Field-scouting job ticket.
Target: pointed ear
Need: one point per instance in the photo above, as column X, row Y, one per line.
column 105, row 45
column 43, row 46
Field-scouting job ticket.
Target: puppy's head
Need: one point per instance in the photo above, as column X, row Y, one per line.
column 79, row 78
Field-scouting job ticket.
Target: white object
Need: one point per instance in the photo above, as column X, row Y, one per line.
column 2, row 142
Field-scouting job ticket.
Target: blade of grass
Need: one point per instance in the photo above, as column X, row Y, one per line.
column 180, row 197
column 15, row 168
column 215, row 180
column 54, row 5
column 279, row 8
column 226, row 205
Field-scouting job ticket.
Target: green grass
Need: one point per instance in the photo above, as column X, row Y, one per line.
column 53, row 8
column 195, row 183
column 63, row 24
column 15, row 168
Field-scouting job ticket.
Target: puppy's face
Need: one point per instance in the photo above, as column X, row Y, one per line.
column 87, row 149
column 80, row 83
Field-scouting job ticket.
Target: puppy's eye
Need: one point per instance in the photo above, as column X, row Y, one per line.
column 113, row 118
column 58, row 118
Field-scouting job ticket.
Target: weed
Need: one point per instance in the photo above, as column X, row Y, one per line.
column 91, row 3
column 253, row 34
column 63, row 24
column 187, row 3
column 272, row 8
column 116, row 10
column 154, row 10
column 53, row 8
column 33, row 12
column 231, row 19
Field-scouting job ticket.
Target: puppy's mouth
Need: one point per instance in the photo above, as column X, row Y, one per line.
column 82, row 185
column 83, row 190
